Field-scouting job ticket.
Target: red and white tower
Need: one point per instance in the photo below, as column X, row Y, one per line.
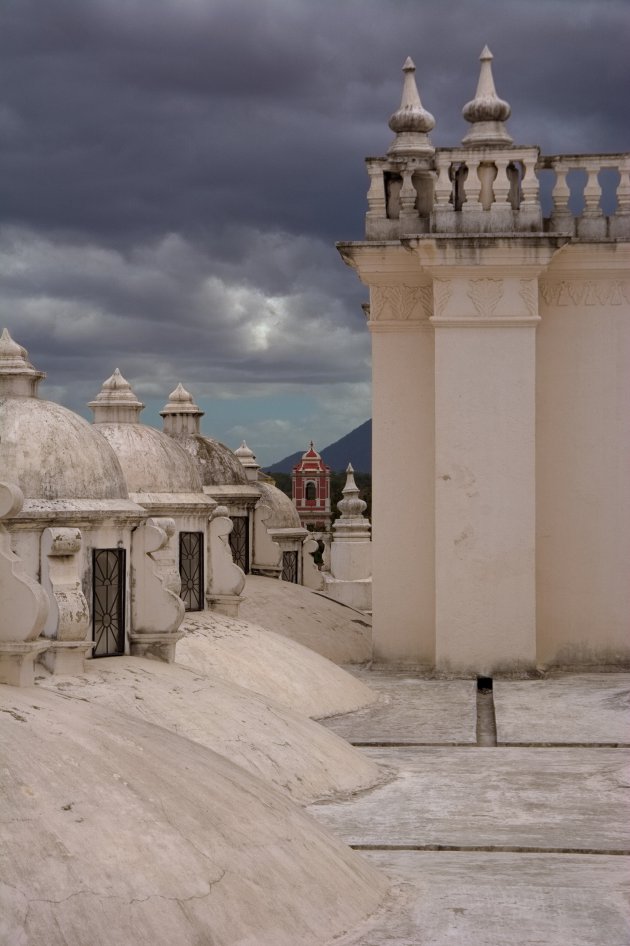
column 310, row 480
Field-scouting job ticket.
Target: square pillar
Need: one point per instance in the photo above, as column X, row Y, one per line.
column 485, row 373
column 403, row 577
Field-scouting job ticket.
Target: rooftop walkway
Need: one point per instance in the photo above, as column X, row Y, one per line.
column 505, row 819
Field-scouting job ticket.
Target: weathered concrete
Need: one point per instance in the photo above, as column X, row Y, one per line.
column 412, row 711
column 327, row 627
column 270, row 664
column 448, row 899
column 582, row 708
column 296, row 755
column 541, row 799
column 116, row 831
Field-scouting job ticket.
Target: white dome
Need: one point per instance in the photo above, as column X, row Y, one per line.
column 52, row 453
column 284, row 515
column 47, row 450
column 152, row 462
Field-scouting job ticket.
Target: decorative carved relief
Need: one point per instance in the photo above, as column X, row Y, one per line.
column 404, row 303
column 442, row 289
column 529, row 294
column 592, row 292
column 485, row 295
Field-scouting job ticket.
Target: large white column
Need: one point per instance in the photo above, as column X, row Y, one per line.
column 403, row 577
column 485, row 371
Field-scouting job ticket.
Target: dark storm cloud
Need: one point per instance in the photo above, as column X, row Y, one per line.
column 173, row 173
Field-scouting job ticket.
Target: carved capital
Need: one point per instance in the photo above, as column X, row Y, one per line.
column 401, row 303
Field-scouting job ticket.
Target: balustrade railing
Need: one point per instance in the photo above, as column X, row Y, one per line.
column 499, row 190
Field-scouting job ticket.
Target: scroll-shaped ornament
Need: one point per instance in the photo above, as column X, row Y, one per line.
column 24, row 602
column 156, row 605
column 226, row 578
column 311, row 576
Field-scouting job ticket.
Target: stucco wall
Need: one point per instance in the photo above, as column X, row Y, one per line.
column 403, row 579
column 583, row 458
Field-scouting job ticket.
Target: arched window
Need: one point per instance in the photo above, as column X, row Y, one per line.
column 311, row 491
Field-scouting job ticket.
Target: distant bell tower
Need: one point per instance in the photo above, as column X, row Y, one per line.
column 310, row 482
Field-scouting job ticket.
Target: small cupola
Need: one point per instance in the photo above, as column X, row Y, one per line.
column 411, row 122
column 18, row 377
column 181, row 414
column 116, row 403
column 248, row 460
column 486, row 112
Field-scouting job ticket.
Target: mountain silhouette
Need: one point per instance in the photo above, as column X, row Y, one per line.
column 354, row 448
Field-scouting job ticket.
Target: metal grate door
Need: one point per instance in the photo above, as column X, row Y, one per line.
column 191, row 570
column 108, row 602
column 290, row 567
column 239, row 542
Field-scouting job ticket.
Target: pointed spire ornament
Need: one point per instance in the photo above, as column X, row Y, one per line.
column 351, row 506
column 486, row 112
column 181, row 414
column 116, row 403
column 18, row 377
column 248, row 459
column 411, row 122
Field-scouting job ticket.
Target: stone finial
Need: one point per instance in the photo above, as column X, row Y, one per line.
column 486, row 112
column 181, row 414
column 116, row 403
column 18, row 377
column 351, row 506
column 248, row 459
column 411, row 122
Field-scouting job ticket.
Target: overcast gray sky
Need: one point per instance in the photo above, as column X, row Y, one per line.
column 174, row 174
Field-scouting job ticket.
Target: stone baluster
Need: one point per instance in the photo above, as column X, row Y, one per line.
column 472, row 209
column 24, row 604
column 530, row 211
column 592, row 191
column 561, row 218
column 408, row 215
column 620, row 223
column 623, row 188
column 376, row 193
column 502, row 216
column 487, row 173
column 443, row 207
column 592, row 223
column 69, row 616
